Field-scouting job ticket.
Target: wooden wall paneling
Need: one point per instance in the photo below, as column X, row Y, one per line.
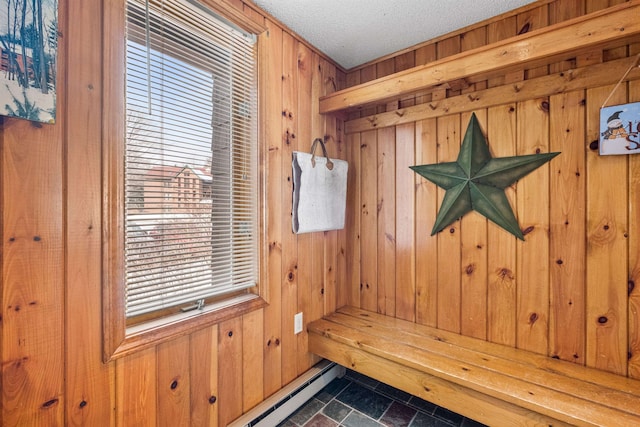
column 252, row 356
column 595, row 5
column 533, row 215
column 303, row 142
column 367, row 74
column 350, row 249
column 559, row 11
column 567, row 224
column 590, row 72
column 384, row 68
column 334, row 150
column 497, row 31
column 405, row 280
column 426, row 256
column 447, row 47
column 369, row 220
column 136, row 389
column 403, row 62
column 531, row 20
column 352, row 222
column 271, row 112
column 634, row 251
column 203, row 367
column 607, row 250
column 426, row 248
column 289, row 135
column 473, row 240
column 33, row 336
column 448, row 239
column 472, row 39
column 424, row 55
column 248, row 10
column 405, row 287
column 230, row 373
column 386, row 206
column 318, row 130
column 501, row 246
column 87, row 378
column 174, row 387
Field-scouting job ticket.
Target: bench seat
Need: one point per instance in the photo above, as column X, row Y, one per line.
column 491, row 383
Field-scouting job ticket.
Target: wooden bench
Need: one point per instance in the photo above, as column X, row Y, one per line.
column 491, row 383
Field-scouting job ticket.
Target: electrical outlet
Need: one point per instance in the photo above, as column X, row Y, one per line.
column 297, row 323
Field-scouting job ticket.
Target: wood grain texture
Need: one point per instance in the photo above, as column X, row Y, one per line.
column 294, row 91
column 533, row 215
column 51, row 187
column 174, row 383
column 405, row 286
column 426, row 250
column 571, row 393
column 633, row 284
column 32, row 274
column 473, row 263
column 606, row 260
column 271, row 112
column 501, row 247
column 568, row 218
column 531, row 49
column 449, row 264
column 83, row 150
column 386, row 220
column 369, row 221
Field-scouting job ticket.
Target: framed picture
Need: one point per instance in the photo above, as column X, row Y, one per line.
column 28, row 56
column 620, row 129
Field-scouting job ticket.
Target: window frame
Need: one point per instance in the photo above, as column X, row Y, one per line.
column 119, row 339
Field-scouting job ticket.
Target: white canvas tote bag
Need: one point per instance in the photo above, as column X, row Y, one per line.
column 319, row 191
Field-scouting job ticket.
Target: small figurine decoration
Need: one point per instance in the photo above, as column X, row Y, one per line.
column 620, row 129
column 476, row 181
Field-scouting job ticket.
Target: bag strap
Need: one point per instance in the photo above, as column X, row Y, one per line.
column 324, row 151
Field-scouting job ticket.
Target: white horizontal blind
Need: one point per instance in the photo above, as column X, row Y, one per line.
column 191, row 156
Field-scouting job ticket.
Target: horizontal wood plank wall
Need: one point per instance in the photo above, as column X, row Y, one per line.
column 52, row 369
column 571, row 289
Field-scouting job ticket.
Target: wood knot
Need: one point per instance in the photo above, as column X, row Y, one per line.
column 212, row 400
column 470, row 269
column 174, row 384
column 50, row 403
column 602, row 320
column 533, row 318
column 525, row 28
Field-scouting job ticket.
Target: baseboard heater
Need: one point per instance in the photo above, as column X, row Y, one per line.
column 283, row 403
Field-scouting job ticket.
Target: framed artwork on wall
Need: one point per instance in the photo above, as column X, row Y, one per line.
column 620, row 129
column 28, row 57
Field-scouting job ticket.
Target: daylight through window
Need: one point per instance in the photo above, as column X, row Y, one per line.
column 191, row 157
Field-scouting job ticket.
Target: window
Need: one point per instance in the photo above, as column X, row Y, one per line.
column 189, row 185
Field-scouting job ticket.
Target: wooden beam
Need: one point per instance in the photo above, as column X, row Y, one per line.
column 575, row 79
column 556, row 42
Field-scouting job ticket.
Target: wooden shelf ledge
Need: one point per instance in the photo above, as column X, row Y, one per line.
column 611, row 27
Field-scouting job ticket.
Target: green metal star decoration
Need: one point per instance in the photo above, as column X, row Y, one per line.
column 476, row 181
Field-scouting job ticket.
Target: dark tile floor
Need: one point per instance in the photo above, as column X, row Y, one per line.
column 359, row 401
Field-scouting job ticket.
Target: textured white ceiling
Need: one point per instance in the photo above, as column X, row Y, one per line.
column 353, row 32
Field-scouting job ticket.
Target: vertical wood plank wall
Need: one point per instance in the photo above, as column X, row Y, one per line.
column 52, row 372
column 571, row 289
column 473, row 279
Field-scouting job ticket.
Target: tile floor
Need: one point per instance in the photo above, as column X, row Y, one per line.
column 359, row 401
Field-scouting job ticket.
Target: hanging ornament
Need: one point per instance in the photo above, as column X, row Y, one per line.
column 476, row 181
